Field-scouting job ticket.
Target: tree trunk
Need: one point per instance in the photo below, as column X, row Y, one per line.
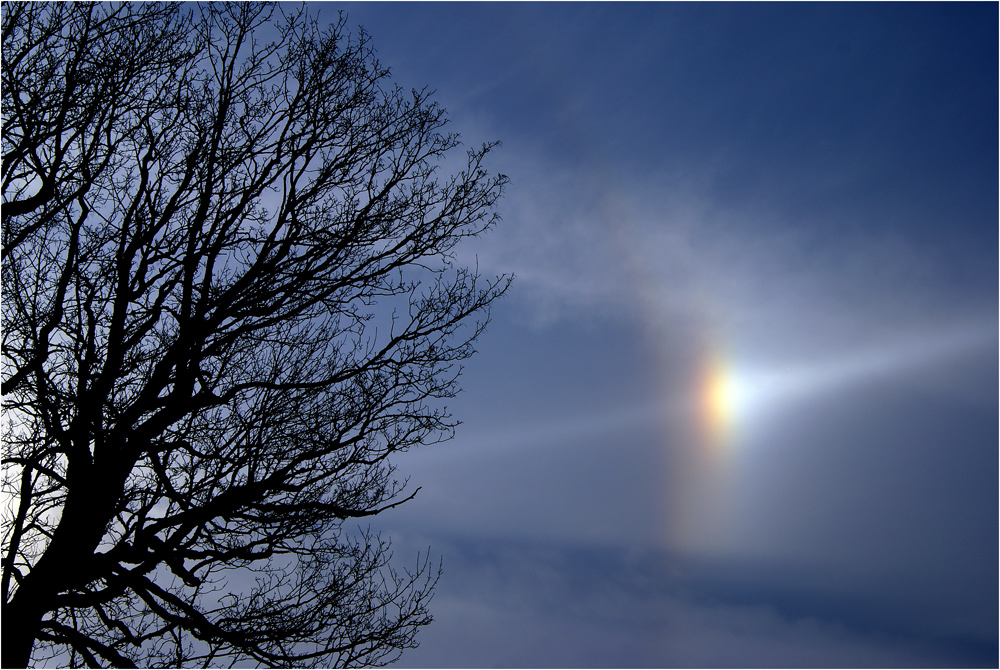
column 66, row 563
column 21, row 620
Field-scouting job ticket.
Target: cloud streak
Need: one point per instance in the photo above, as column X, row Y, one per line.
column 816, row 213
column 550, row 605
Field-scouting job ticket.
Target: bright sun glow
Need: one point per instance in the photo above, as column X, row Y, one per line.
column 730, row 398
column 719, row 401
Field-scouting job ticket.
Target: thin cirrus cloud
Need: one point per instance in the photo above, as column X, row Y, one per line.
column 809, row 475
column 521, row 604
column 580, row 243
column 754, row 324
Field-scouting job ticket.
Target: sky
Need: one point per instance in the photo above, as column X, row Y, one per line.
column 740, row 406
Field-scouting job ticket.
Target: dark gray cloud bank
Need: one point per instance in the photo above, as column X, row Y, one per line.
column 804, row 194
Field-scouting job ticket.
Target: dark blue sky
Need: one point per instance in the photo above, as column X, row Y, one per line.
column 785, row 211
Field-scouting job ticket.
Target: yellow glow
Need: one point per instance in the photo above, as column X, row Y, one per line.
column 717, row 401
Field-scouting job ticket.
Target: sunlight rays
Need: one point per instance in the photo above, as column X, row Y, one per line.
column 736, row 405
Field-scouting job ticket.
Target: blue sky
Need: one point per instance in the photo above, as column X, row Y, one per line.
column 797, row 202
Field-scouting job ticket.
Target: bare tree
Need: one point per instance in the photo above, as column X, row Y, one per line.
column 230, row 294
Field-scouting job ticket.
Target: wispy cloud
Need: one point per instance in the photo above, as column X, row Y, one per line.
column 546, row 605
column 587, row 243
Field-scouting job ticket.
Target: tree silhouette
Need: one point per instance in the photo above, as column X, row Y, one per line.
column 230, row 294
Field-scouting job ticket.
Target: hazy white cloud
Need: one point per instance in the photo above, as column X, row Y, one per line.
column 823, row 251
column 585, row 243
column 545, row 605
column 876, row 353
